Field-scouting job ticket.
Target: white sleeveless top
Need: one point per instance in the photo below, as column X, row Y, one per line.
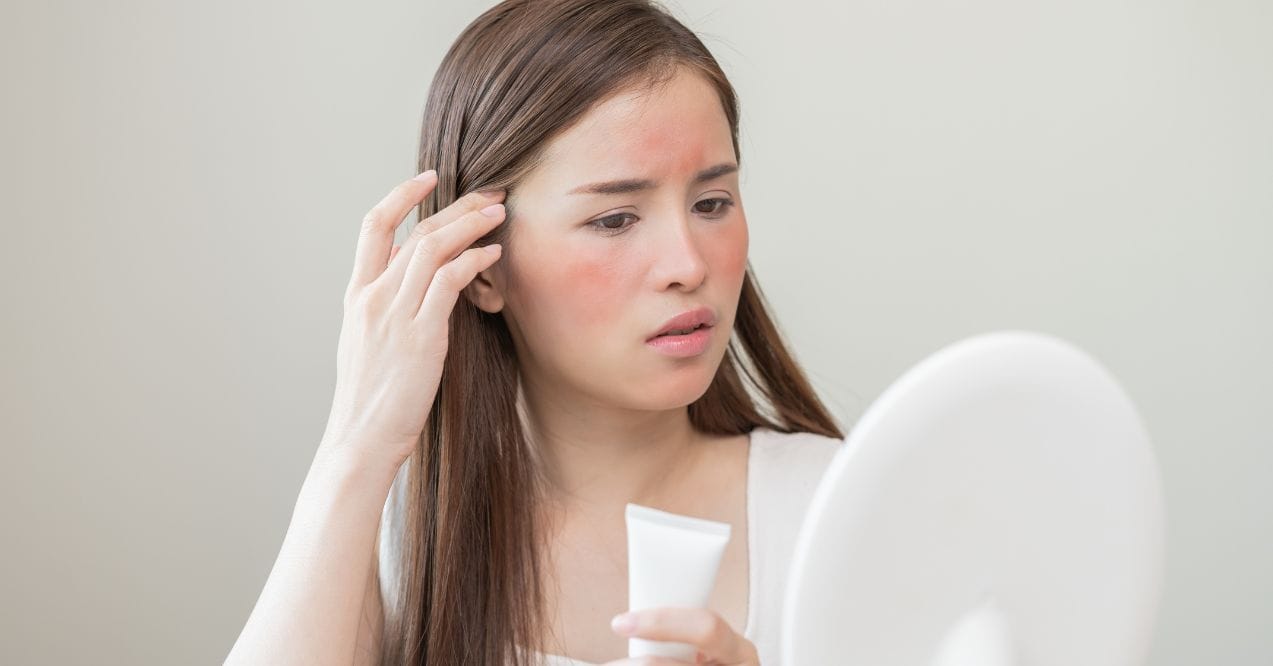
column 783, row 470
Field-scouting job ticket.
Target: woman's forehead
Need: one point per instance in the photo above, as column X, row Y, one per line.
column 677, row 129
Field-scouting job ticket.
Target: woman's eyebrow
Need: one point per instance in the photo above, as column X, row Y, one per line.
column 630, row 185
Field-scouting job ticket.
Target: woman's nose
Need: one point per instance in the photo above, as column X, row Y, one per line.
column 678, row 259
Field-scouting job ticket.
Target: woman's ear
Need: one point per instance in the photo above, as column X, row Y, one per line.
column 484, row 293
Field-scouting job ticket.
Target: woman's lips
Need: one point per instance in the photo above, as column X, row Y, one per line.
column 690, row 344
column 701, row 316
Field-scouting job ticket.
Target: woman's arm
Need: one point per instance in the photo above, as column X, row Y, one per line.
column 367, row 645
column 312, row 606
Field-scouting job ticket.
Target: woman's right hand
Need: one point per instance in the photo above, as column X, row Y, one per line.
column 396, row 311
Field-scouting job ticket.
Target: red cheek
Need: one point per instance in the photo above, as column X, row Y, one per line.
column 593, row 291
column 731, row 252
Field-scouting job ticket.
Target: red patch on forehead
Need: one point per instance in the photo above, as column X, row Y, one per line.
column 669, row 150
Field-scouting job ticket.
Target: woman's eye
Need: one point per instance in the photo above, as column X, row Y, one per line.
column 722, row 204
column 614, row 224
column 616, row 219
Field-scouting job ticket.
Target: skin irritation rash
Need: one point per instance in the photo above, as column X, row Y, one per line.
column 595, row 276
column 614, row 268
column 593, row 282
column 600, row 285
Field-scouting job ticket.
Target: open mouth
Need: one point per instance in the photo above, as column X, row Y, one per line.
column 684, row 331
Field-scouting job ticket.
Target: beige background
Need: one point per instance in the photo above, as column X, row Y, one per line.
column 182, row 186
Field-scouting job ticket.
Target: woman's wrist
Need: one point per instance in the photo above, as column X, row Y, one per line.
column 350, row 456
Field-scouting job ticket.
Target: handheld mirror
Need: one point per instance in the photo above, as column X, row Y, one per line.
column 999, row 505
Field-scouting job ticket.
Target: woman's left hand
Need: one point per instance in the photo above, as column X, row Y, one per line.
column 717, row 642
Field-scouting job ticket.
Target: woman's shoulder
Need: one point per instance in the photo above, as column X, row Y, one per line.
column 786, row 467
column 794, row 451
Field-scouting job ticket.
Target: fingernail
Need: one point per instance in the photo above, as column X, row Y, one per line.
column 493, row 248
column 623, row 623
column 492, row 194
column 426, row 175
column 493, row 210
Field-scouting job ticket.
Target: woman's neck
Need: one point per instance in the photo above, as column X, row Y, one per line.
column 600, row 459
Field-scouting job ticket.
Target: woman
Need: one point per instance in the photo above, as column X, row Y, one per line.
column 596, row 143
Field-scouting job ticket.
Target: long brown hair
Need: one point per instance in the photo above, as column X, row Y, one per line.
column 469, row 587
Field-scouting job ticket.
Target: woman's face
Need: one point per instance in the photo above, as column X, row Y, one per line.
column 588, row 277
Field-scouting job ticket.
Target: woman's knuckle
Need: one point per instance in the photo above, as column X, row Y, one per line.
column 378, row 291
column 373, row 220
column 475, row 197
column 721, row 629
column 426, row 248
column 354, row 297
column 448, row 276
column 703, row 634
column 421, row 229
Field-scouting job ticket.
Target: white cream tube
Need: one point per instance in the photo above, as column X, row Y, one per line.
column 672, row 561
